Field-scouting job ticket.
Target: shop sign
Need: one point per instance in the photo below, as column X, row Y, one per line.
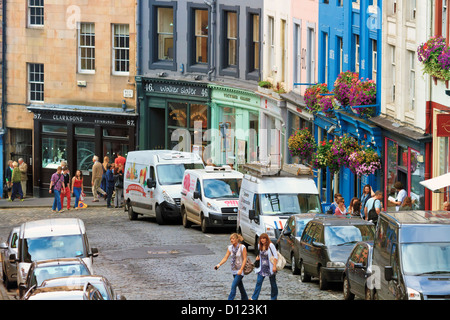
column 443, row 125
column 175, row 88
column 82, row 118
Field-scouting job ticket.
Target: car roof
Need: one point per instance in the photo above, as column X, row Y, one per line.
column 300, row 216
column 341, row 220
column 75, row 280
column 164, row 156
column 59, row 262
column 280, row 185
column 418, row 217
column 52, row 227
column 74, row 292
column 214, row 174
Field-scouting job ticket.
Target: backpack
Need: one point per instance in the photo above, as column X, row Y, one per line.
column 372, row 214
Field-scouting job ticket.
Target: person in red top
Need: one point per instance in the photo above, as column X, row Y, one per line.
column 77, row 187
column 120, row 159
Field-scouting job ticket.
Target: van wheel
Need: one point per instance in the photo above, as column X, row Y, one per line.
column 348, row 295
column 304, row 277
column 159, row 217
column 204, row 225
column 323, row 284
column 186, row 222
column 294, row 267
column 131, row 214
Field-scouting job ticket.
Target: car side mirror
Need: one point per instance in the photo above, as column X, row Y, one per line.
column 388, row 273
column 197, row 195
column 12, row 258
column 151, row 183
column 94, row 252
column 317, row 244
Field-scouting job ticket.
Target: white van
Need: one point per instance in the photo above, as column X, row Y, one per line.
column 268, row 197
column 152, row 182
column 210, row 197
column 51, row 239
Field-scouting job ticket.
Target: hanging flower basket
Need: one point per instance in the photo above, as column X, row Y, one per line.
column 324, row 157
column 435, row 57
column 313, row 96
column 364, row 162
column 343, row 147
column 302, row 144
column 342, row 86
column 363, row 93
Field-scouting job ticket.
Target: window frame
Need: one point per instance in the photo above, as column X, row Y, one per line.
column 29, row 82
column 224, row 68
column 79, row 58
column 192, row 65
column 154, row 62
column 115, row 49
column 29, row 8
column 251, row 73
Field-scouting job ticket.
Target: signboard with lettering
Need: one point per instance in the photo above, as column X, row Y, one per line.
column 85, row 118
column 177, row 89
column 443, row 125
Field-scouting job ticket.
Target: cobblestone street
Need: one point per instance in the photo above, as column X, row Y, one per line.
column 145, row 261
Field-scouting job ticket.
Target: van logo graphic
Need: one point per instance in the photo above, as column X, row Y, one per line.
column 231, row 203
column 135, row 187
column 278, row 225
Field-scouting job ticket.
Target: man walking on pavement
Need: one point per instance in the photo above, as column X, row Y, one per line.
column 23, row 167
column 97, row 173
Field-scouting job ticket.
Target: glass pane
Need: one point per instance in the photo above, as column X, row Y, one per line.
column 53, row 152
column 232, row 52
column 85, row 153
column 177, row 114
column 110, row 149
column 232, row 25
column 417, row 172
column 201, row 50
column 199, row 112
column 201, row 22
column 47, row 128
column 165, row 20
column 116, row 132
column 165, row 33
column 85, row 131
column 392, row 152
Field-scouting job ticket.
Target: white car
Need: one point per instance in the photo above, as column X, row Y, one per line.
column 152, row 182
column 210, row 197
column 9, row 270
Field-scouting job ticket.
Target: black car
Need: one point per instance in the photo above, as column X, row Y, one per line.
column 326, row 244
column 359, row 276
column 288, row 244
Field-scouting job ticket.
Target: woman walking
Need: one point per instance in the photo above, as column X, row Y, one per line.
column 238, row 254
column 77, row 186
column 366, row 195
column 57, row 186
column 341, row 210
column 118, row 186
column 109, row 184
column 16, row 183
column 268, row 258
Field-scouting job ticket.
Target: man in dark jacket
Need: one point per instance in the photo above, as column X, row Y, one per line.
column 109, row 185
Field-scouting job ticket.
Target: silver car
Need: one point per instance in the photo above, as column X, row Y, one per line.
column 75, row 292
column 9, row 270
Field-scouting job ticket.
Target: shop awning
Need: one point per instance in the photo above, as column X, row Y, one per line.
column 437, row 183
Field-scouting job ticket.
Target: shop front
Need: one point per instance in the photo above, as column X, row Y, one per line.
column 75, row 134
column 234, row 134
column 172, row 114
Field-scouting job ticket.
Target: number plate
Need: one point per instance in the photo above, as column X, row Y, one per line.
column 232, row 218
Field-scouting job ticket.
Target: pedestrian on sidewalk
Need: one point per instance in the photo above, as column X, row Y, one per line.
column 77, row 187
column 118, row 185
column 341, row 210
column 16, row 185
column 66, row 193
column 56, row 187
column 105, row 168
column 238, row 253
column 446, row 205
column 268, row 257
column 109, row 176
column 8, row 179
column 23, row 167
column 366, row 195
column 334, row 205
column 97, row 172
column 401, row 195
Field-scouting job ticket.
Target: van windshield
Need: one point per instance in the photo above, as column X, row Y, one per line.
column 45, row 248
column 173, row 173
column 426, row 258
column 221, row 188
column 348, row 234
column 278, row 204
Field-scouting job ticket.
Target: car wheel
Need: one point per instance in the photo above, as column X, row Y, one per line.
column 131, row 214
column 186, row 222
column 304, row 277
column 204, row 225
column 369, row 295
column 159, row 216
column 323, row 284
column 294, row 267
column 348, row 295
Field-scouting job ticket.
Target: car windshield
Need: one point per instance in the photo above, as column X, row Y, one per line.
column 277, row 204
column 173, row 173
column 221, row 188
column 426, row 258
column 57, row 271
column 348, row 235
column 45, row 248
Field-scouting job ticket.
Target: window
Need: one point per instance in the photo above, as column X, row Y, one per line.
column 121, row 49
column 35, row 13
column 36, row 82
column 54, row 151
column 271, row 43
column 283, row 48
column 341, row 55
column 310, row 54
column 411, row 10
column 86, row 47
column 412, row 79
column 231, row 42
column 201, row 35
column 326, row 46
column 393, row 67
column 254, row 43
column 444, row 18
column 165, row 34
column 357, row 53
column 297, row 53
column 374, row 60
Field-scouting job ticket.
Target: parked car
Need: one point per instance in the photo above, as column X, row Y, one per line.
column 210, row 197
column 9, row 270
column 51, row 239
column 412, row 252
column 359, row 276
column 55, row 268
column 73, row 292
column 102, row 285
column 288, row 244
column 326, row 244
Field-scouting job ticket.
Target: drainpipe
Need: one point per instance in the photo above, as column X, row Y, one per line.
column 3, row 106
column 138, row 67
column 212, row 68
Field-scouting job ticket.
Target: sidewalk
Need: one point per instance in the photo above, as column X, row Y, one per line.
column 31, row 202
